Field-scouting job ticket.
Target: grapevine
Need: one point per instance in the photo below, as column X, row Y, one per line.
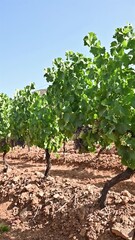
column 99, row 92
column 90, row 99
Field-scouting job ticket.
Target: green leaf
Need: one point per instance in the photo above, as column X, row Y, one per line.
column 90, row 39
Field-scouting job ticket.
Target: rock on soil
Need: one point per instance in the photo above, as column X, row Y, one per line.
column 65, row 205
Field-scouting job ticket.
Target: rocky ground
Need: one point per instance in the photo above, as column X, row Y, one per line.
column 65, row 205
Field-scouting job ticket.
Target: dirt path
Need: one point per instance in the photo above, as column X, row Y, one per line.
column 65, row 205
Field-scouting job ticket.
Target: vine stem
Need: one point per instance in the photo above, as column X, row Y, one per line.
column 118, row 178
column 48, row 162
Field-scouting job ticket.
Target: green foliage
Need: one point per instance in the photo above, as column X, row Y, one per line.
column 4, row 115
column 5, row 105
column 96, row 91
column 43, row 124
column 20, row 114
column 32, row 119
column 4, row 228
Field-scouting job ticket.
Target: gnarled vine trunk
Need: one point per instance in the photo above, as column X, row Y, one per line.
column 120, row 177
column 48, row 162
column 6, row 165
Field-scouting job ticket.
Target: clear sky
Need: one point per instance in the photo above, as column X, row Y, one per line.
column 34, row 32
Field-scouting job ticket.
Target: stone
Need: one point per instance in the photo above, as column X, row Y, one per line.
column 35, row 200
column 23, row 214
column 39, row 174
column 25, row 196
column 81, row 212
column 31, row 187
column 15, row 211
column 83, row 232
column 124, row 232
column 40, row 193
column 125, row 199
column 16, row 179
column 56, row 196
column 126, row 193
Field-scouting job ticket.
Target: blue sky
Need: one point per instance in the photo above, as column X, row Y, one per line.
column 34, row 32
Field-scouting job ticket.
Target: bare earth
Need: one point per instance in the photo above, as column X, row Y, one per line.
column 65, row 205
